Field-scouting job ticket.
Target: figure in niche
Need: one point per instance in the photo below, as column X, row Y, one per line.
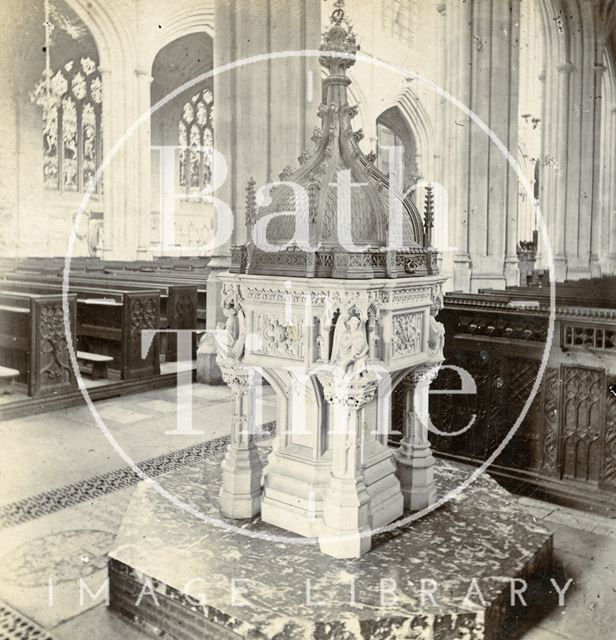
column 350, row 348
column 230, row 334
column 436, row 339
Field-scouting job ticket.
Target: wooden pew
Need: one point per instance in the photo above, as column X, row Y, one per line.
column 113, row 328
column 163, row 272
column 563, row 448
column 178, row 302
column 110, row 322
column 33, row 341
column 161, row 279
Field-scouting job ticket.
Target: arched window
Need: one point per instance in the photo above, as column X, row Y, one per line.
column 195, row 140
column 72, row 136
column 392, row 131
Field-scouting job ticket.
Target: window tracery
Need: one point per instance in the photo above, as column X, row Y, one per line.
column 71, row 99
column 195, row 140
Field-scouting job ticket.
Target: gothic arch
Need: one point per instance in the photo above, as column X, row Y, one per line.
column 109, row 30
column 171, row 67
column 421, row 126
column 187, row 18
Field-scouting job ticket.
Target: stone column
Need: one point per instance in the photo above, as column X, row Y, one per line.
column 609, row 255
column 240, row 494
column 457, row 139
column 143, row 140
column 596, row 219
column 125, row 180
column 414, row 457
column 262, row 117
column 482, row 47
column 10, row 159
column 346, row 503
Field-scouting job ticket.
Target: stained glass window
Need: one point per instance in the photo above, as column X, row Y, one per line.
column 195, row 140
column 72, row 131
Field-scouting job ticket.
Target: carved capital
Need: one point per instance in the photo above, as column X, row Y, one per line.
column 237, row 376
column 425, row 373
column 353, row 394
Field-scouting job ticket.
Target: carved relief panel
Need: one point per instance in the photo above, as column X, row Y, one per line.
column 141, row 312
column 278, row 337
column 407, row 334
column 52, row 371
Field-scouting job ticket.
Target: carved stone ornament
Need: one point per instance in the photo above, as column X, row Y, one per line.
column 425, row 373
column 277, row 337
column 238, row 376
column 322, row 319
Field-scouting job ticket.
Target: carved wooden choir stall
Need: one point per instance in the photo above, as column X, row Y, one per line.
column 332, row 301
column 565, row 447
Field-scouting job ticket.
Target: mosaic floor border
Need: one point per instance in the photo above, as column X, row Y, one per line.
column 42, row 504
column 15, row 626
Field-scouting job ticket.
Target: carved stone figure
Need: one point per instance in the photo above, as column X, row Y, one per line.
column 230, row 334
column 350, row 345
column 436, row 339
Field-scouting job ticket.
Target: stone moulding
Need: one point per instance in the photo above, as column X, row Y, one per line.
column 409, row 261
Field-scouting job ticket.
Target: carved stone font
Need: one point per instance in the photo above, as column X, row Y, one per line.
column 333, row 302
column 331, row 353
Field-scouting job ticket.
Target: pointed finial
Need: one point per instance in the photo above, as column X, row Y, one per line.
column 428, row 216
column 339, row 36
column 338, row 12
column 251, row 206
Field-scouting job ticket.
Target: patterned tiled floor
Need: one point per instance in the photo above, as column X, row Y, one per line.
column 42, row 504
column 15, row 626
column 66, row 530
column 63, row 509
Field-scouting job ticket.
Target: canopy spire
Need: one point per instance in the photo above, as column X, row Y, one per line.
column 338, row 37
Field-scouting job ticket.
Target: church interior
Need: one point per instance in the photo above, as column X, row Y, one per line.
column 172, row 417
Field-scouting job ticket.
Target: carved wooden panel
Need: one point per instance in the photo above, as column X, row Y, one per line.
column 483, row 411
column 141, row 311
column 51, row 370
column 550, row 421
column 566, row 445
column 181, row 314
column 582, row 399
column 585, row 336
column 524, row 448
column 608, row 476
column 500, row 325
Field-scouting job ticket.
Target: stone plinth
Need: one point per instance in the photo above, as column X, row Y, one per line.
column 287, row 589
